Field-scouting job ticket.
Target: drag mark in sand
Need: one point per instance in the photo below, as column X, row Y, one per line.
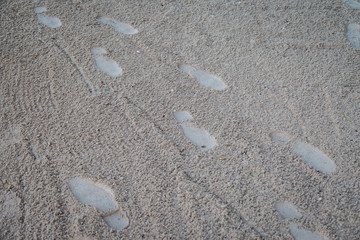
column 77, row 67
column 118, row 26
column 301, row 234
column 197, row 136
column 352, row 3
column 51, row 22
column 353, row 35
column 205, row 79
column 102, row 198
column 287, row 210
column 306, row 152
column 105, row 64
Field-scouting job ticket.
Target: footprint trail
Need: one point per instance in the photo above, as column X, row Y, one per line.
column 51, row 22
column 306, row 152
column 100, row 197
column 105, row 64
column 118, row 26
column 353, row 35
column 205, row 79
column 196, row 136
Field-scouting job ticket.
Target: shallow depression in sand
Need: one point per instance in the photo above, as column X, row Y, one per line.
column 98, row 51
column 198, row 136
column 119, row 26
column 287, row 210
column 183, row 116
column 117, row 221
column 102, row 198
column 92, row 194
column 105, row 64
column 306, row 152
column 40, row 10
column 314, row 157
column 301, row 234
column 353, row 35
column 51, row 22
column 280, row 138
column 205, row 79
column 352, row 3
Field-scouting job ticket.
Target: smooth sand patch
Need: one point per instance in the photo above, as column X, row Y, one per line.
column 183, row 116
column 302, row 234
column 352, row 3
column 106, row 64
column 51, row 22
column 93, row 194
column 287, row 210
column 119, row 26
column 205, row 79
column 353, row 35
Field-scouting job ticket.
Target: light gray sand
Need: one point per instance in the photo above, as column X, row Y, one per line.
column 105, row 64
column 287, row 210
column 118, row 26
column 288, row 67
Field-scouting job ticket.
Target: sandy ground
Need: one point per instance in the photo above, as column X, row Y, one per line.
column 289, row 70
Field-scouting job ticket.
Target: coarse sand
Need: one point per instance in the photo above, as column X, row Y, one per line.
column 211, row 119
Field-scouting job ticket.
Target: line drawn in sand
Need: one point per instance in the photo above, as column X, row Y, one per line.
column 309, row 154
column 197, row 136
column 118, row 26
column 353, row 35
column 88, row 83
column 102, row 198
column 105, row 64
column 352, row 3
column 51, row 22
column 205, row 79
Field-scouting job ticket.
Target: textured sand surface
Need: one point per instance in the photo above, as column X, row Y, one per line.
column 90, row 147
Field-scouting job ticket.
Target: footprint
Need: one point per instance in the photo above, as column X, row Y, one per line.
column 40, row 10
column 352, row 4
column 287, row 210
column 102, row 198
column 306, row 152
column 11, row 136
column 51, row 22
column 204, row 78
column 197, row 136
column 182, row 116
column 119, row 26
column 9, row 206
column 105, row 64
column 301, row 234
column 353, row 35
column 280, row 138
